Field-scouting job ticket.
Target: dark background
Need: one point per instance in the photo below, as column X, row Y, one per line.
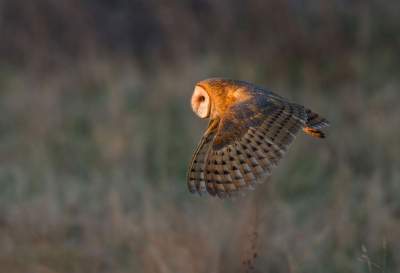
column 96, row 132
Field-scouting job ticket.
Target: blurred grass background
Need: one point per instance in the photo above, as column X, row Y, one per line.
column 96, row 132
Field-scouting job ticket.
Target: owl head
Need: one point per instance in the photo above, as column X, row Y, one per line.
column 201, row 102
column 212, row 96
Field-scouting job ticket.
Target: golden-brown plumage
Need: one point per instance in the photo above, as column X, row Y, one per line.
column 249, row 131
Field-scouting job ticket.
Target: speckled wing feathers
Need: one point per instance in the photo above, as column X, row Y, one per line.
column 250, row 139
column 196, row 177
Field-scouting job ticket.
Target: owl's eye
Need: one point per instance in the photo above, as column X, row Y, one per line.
column 201, row 102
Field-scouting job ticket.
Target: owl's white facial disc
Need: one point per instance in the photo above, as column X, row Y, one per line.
column 201, row 104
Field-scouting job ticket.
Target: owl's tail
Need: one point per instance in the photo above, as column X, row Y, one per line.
column 314, row 123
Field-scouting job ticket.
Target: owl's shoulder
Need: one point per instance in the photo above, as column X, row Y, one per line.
column 259, row 95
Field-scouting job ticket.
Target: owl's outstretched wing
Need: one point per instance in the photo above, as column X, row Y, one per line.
column 244, row 144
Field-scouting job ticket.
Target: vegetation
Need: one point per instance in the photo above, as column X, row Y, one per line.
column 96, row 132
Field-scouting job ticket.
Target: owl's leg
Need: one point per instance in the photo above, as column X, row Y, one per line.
column 313, row 132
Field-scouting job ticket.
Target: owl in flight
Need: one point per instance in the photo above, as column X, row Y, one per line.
column 249, row 131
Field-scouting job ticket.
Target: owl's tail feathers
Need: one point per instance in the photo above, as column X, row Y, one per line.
column 314, row 123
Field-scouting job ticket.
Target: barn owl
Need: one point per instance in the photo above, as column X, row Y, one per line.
column 249, row 131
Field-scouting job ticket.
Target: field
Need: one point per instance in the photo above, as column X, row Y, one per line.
column 96, row 132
